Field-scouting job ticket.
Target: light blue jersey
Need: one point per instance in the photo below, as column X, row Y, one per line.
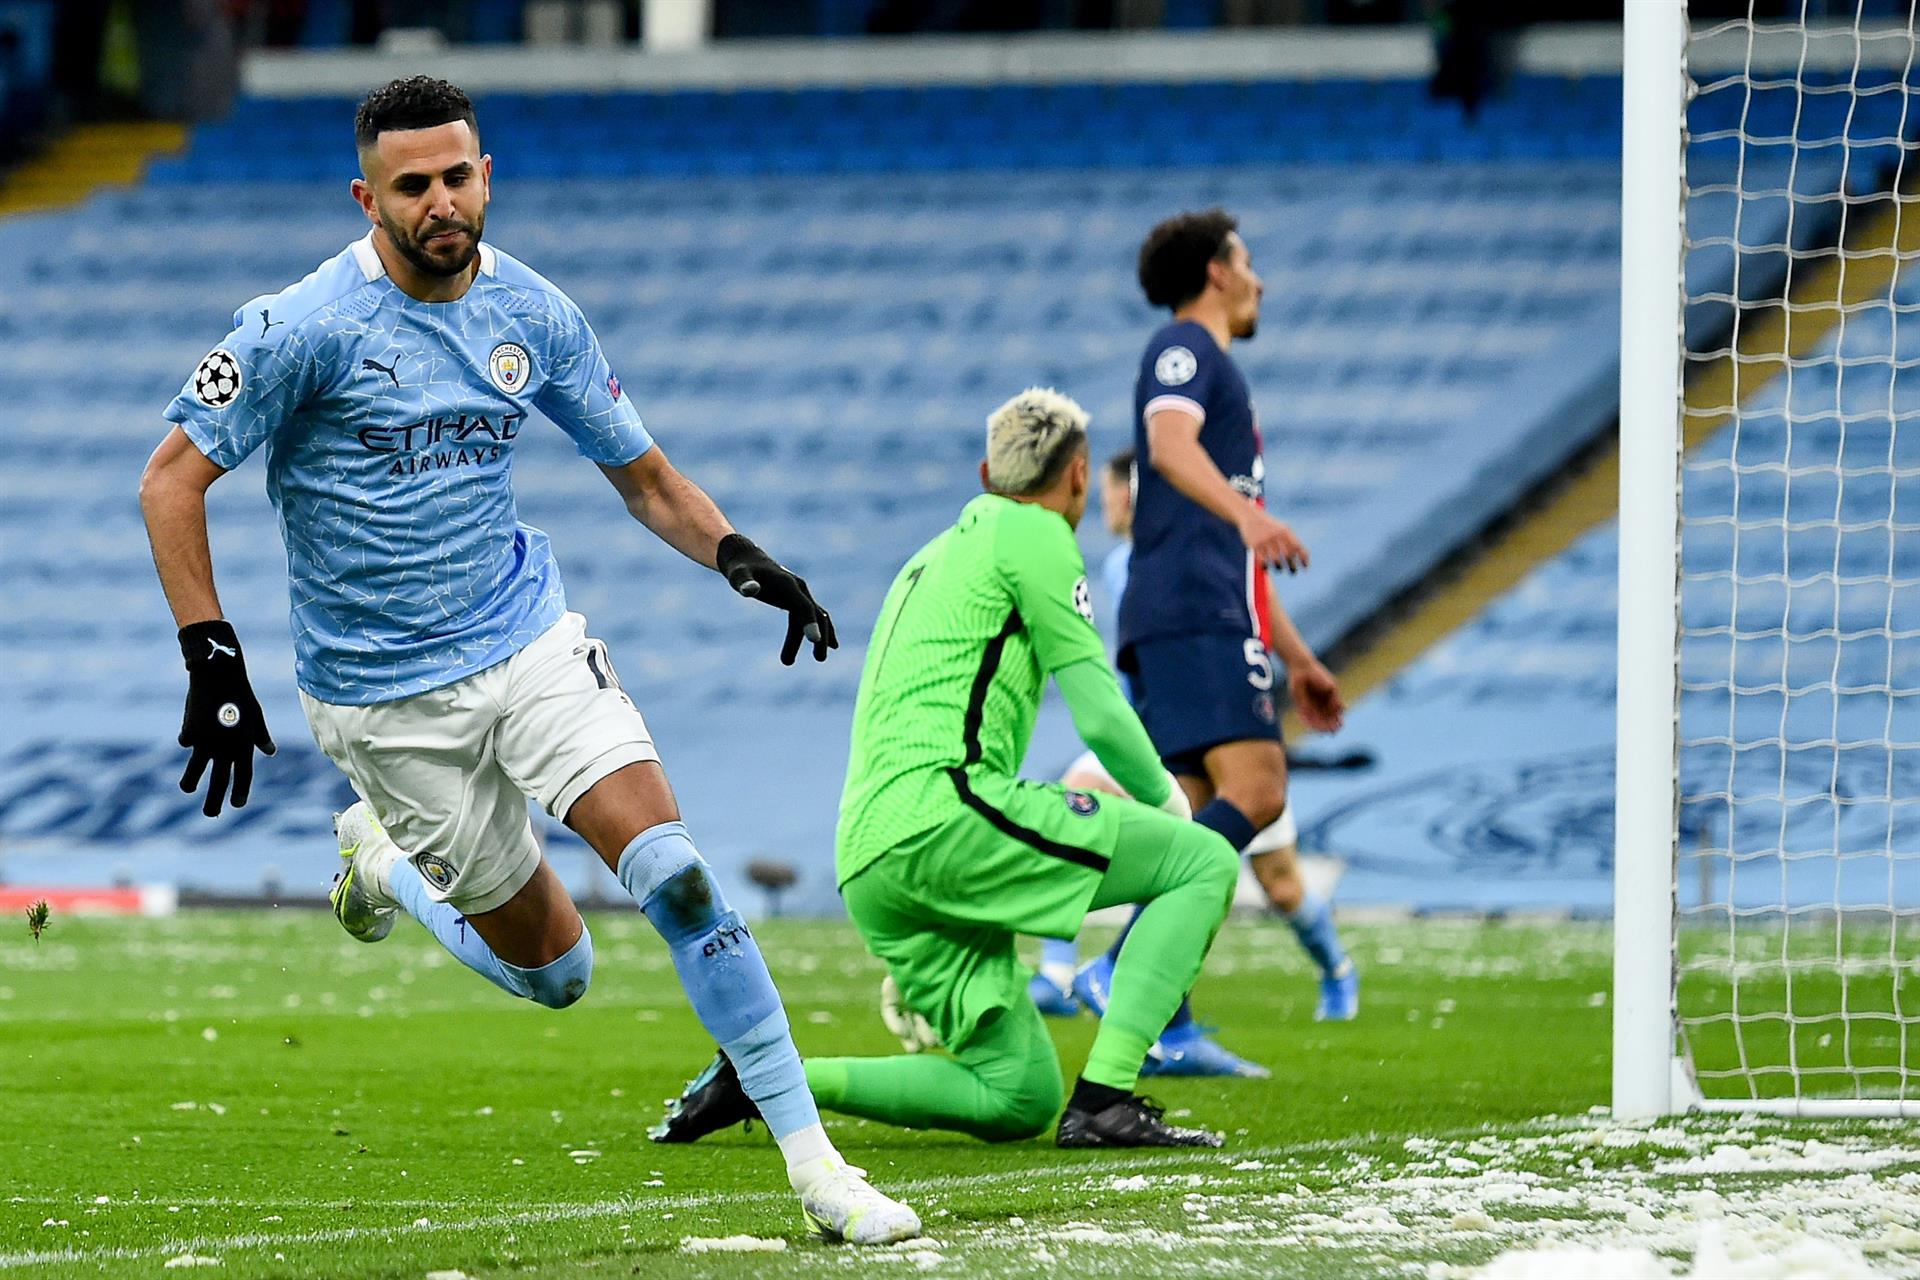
column 389, row 425
column 1113, row 583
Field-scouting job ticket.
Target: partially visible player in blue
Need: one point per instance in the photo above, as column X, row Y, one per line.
column 437, row 661
column 1196, row 622
column 1273, row 855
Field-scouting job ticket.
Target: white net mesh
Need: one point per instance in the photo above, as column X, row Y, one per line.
column 1798, row 881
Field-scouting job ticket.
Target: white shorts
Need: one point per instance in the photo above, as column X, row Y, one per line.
column 1087, row 770
column 448, row 772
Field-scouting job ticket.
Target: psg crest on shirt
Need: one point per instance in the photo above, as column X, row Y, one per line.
column 509, row 366
column 1082, row 803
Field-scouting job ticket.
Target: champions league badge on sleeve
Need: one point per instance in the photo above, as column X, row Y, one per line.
column 509, row 367
column 217, row 382
column 1175, row 366
column 1083, row 600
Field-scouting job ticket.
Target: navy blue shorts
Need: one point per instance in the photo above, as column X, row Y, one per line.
column 1194, row 692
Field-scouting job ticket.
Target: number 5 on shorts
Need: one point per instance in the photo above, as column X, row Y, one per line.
column 1259, row 666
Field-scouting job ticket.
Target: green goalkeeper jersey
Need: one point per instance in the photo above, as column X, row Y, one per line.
column 970, row 630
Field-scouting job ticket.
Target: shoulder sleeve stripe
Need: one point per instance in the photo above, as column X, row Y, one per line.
column 1182, row 403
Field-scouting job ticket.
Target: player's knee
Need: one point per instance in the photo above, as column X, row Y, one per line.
column 1257, row 788
column 1018, row 1125
column 686, row 900
column 1027, row 1110
column 1262, row 804
column 564, row 981
column 1021, row 1073
column 669, row 879
column 1215, row 863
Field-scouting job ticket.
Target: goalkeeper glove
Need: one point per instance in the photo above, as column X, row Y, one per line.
column 758, row 576
column 1176, row 802
column 223, row 723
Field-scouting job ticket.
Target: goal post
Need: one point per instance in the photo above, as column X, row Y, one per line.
column 1767, row 761
column 1653, row 91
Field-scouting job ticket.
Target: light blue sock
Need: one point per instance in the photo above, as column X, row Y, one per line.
column 555, row 985
column 722, row 971
column 1312, row 923
column 445, row 922
column 1059, row 957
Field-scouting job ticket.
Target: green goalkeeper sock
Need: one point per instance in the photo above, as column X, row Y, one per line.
column 1004, row 1085
column 1185, row 874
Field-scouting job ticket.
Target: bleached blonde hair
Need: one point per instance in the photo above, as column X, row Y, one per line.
column 1028, row 438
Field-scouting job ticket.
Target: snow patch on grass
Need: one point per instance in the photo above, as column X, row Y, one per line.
column 1722, row 1255
column 732, row 1244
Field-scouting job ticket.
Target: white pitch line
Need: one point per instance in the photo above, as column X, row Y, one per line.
column 1090, row 1174
column 217, row 1012
column 615, row 1208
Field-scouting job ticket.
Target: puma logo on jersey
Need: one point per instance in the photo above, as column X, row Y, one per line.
column 387, row 369
column 267, row 322
column 219, row 649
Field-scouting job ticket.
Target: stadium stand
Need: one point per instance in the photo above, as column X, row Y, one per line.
column 1496, row 748
column 815, row 296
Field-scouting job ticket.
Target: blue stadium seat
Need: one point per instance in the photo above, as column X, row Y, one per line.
column 816, row 297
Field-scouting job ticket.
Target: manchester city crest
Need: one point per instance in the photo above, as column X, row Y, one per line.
column 437, row 870
column 509, row 367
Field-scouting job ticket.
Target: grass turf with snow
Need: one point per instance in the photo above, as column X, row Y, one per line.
column 252, row 1094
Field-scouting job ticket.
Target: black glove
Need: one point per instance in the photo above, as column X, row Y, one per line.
column 223, row 723
column 758, row 576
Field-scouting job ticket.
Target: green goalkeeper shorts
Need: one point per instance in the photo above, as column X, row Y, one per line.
column 943, row 908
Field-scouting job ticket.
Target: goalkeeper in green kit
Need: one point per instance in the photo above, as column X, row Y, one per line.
column 944, row 855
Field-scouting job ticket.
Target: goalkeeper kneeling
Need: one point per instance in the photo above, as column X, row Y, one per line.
column 944, row 856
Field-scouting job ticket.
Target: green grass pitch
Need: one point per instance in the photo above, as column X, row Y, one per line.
column 252, row 1094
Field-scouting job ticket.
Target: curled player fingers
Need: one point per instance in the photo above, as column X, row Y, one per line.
column 1284, row 550
column 1317, row 697
column 217, row 788
column 196, row 765
column 796, row 630
column 242, row 779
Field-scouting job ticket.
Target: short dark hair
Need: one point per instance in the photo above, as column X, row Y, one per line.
column 1173, row 261
column 1072, row 445
column 1120, row 465
column 412, row 102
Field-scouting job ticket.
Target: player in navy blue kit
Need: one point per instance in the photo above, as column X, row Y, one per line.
column 1196, row 622
column 437, row 661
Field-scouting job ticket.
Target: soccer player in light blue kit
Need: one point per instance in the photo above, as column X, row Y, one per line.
column 437, row 661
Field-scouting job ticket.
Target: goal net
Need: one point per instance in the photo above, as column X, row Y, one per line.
column 1789, row 600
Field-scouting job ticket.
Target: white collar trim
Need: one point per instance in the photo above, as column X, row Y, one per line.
column 368, row 258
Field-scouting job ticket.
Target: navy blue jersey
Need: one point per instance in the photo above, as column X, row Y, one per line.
column 1190, row 571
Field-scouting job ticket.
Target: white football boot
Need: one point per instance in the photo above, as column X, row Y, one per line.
column 362, row 901
column 841, row 1204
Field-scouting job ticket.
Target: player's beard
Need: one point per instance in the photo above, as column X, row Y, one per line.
column 414, row 249
column 1248, row 325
